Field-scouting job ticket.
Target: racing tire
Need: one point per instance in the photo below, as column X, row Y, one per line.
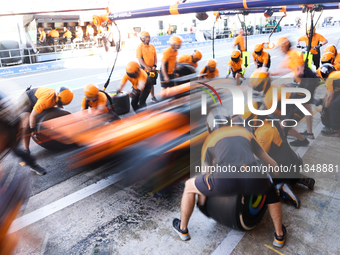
column 184, row 69
column 121, row 103
column 47, row 142
column 238, row 211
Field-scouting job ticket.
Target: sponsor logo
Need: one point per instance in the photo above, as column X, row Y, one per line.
column 25, row 69
column 6, row 72
column 42, row 67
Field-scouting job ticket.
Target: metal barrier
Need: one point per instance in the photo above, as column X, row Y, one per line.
column 52, row 50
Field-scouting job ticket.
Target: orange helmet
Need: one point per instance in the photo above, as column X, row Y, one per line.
column 211, row 63
column 327, row 57
column 258, row 49
column 235, row 55
column 132, row 69
column 283, row 41
column 175, row 39
column 197, row 54
column 331, row 48
column 91, row 90
column 64, row 96
column 143, row 34
column 259, row 80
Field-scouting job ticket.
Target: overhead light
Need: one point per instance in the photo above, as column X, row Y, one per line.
column 268, row 13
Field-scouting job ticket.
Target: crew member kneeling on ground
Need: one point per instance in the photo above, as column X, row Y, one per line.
column 261, row 57
column 235, row 66
column 141, row 85
column 261, row 82
column 147, row 58
column 98, row 101
column 210, row 71
column 169, row 62
column 191, row 59
column 235, row 146
column 332, row 101
column 38, row 100
column 272, row 140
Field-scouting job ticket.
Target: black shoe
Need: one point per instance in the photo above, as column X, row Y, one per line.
column 318, row 102
column 298, row 142
column 154, row 100
column 307, row 135
column 330, row 132
column 309, row 182
column 183, row 234
column 279, row 241
column 38, row 169
column 287, row 194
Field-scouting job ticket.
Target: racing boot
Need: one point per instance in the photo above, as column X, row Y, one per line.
column 29, row 160
column 287, row 194
column 309, row 182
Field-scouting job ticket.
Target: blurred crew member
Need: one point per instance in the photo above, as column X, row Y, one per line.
column 261, row 57
column 89, row 33
column 293, row 61
column 210, row 71
column 141, row 85
column 67, row 34
column 147, row 58
column 261, row 82
column 317, row 41
column 223, row 147
column 42, row 37
column 38, row 100
column 191, row 59
column 53, row 34
column 235, row 66
column 14, row 186
column 239, row 41
column 169, row 62
column 331, row 107
column 79, row 35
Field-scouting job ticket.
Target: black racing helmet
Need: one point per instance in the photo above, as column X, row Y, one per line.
column 326, row 70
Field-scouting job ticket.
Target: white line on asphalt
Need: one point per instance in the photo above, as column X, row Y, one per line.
column 234, row 237
column 62, row 203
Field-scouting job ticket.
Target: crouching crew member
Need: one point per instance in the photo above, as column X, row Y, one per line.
column 235, row 66
column 273, row 141
column 191, row 59
column 261, row 57
column 210, row 71
column 224, row 146
column 99, row 101
column 141, row 85
column 38, row 100
column 331, row 109
column 147, row 58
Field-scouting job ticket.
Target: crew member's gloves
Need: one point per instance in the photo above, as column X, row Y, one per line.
column 227, row 75
column 317, row 47
column 33, row 132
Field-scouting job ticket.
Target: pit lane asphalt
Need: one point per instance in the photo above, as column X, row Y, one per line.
column 80, row 236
